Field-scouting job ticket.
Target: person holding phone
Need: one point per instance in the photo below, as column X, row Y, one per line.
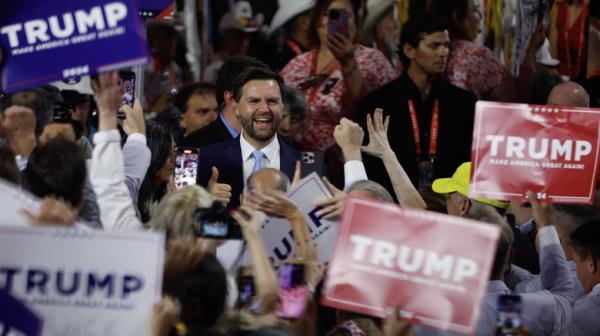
column 338, row 73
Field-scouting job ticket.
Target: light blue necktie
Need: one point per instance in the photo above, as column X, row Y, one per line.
column 258, row 160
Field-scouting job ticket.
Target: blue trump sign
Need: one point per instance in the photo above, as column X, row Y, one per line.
column 43, row 41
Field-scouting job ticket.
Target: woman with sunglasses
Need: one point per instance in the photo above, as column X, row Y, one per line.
column 335, row 76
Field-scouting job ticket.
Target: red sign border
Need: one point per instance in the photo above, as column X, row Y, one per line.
column 344, row 228
column 538, row 108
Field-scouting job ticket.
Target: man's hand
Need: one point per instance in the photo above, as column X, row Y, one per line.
column 134, row 123
column 53, row 211
column 248, row 219
column 220, row 192
column 274, row 203
column 541, row 212
column 378, row 141
column 19, row 127
column 297, row 174
column 57, row 131
column 108, row 94
column 332, row 206
column 394, row 326
column 349, row 136
column 166, row 313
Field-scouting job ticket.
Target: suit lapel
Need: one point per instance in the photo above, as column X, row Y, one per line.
column 287, row 161
column 233, row 155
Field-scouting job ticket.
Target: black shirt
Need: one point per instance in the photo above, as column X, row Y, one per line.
column 456, row 117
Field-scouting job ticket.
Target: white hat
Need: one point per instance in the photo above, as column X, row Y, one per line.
column 288, row 9
column 544, row 57
column 240, row 18
column 375, row 9
column 79, row 84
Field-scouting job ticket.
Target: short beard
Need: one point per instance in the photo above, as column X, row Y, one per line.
column 247, row 126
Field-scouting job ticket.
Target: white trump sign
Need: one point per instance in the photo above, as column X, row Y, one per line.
column 84, row 282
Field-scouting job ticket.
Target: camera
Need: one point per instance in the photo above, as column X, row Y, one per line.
column 216, row 222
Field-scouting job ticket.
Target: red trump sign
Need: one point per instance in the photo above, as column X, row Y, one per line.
column 550, row 150
column 434, row 267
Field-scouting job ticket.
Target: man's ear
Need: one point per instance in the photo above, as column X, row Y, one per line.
column 593, row 264
column 464, row 206
column 230, row 102
column 409, row 51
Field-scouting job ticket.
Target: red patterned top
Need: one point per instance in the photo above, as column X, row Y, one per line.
column 325, row 109
column 474, row 68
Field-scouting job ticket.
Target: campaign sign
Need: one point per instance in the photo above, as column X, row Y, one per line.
column 550, row 150
column 44, row 41
column 434, row 267
column 83, row 282
column 277, row 232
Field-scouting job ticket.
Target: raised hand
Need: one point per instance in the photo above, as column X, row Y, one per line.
column 349, row 136
column 274, row 203
column 541, row 212
column 108, row 94
column 332, row 206
column 221, row 192
column 18, row 125
column 378, row 141
column 134, row 123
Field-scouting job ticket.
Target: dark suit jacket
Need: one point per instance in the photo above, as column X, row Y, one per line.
column 456, row 117
column 227, row 157
column 213, row 133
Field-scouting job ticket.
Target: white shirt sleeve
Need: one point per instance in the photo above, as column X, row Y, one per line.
column 354, row 171
column 547, row 236
column 117, row 210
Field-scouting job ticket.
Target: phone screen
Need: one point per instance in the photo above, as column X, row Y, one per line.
column 293, row 293
column 246, row 291
column 509, row 312
column 186, row 167
column 215, row 229
column 338, row 22
column 127, row 82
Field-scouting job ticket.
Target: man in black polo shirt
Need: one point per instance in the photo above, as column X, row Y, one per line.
column 431, row 120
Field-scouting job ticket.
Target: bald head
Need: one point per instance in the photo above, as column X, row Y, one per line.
column 268, row 179
column 569, row 94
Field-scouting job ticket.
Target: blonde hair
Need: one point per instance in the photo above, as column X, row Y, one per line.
column 173, row 214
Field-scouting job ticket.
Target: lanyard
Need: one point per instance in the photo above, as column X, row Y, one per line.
column 435, row 126
column 575, row 65
column 294, row 46
column 328, row 72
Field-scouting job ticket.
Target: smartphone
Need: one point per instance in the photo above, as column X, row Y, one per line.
column 216, row 223
column 312, row 162
column 127, row 82
column 509, row 315
column 246, row 289
column 293, row 293
column 186, row 167
column 338, row 22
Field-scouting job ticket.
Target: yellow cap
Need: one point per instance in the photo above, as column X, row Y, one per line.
column 459, row 182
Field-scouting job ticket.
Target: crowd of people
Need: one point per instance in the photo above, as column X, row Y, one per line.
column 390, row 110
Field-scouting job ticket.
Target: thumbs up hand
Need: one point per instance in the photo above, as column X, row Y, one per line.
column 221, row 192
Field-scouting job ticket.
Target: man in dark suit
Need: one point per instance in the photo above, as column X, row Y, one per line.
column 258, row 105
column 431, row 120
column 226, row 126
